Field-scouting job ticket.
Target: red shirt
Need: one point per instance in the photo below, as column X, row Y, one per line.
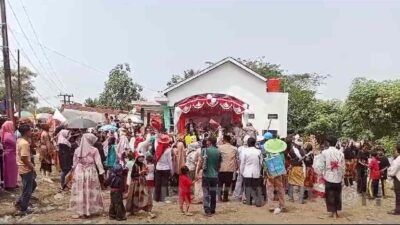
column 374, row 173
column 185, row 185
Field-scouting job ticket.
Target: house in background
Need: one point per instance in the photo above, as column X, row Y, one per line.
column 76, row 110
column 226, row 92
column 146, row 109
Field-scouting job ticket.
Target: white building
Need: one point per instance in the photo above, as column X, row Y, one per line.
column 239, row 92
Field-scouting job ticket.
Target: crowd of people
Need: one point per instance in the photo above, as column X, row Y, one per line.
column 139, row 165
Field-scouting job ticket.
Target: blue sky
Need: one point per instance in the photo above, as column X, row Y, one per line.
column 344, row 39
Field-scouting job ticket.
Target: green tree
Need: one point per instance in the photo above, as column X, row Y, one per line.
column 120, row 89
column 177, row 78
column 45, row 110
column 27, row 87
column 372, row 109
column 89, row 102
column 301, row 88
column 327, row 119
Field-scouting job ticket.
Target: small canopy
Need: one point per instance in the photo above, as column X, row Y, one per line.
column 25, row 114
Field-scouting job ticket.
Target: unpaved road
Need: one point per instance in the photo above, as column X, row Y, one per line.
column 51, row 207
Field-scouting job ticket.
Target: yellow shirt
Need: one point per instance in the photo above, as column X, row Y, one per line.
column 23, row 149
column 190, row 139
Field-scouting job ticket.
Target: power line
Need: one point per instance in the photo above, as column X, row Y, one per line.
column 44, row 99
column 30, row 45
column 29, row 60
column 99, row 71
column 37, row 92
column 41, row 46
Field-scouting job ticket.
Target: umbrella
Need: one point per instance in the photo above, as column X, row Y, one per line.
column 24, row 114
column 58, row 116
column 108, row 127
column 81, row 123
column 135, row 119
column 275, row 146
column 43, row 116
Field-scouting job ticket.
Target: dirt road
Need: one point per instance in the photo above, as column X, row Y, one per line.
column 52, row 207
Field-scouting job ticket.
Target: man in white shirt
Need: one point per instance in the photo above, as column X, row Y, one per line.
column 237, row 194
column 164, row 168
column 333, row 168
column 250, row 169
column 394, row 172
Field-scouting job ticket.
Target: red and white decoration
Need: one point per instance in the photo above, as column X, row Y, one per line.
column 203, row 106
column 222, row 102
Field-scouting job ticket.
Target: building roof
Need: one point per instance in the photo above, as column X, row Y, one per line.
column 80, row 107
column 145, row 103
column 215, row 65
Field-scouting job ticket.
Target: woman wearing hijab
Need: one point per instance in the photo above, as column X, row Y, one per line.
column 46, row 151
column 86, row 198
column 65, row 154
column 179, row 157
column 122, row 149
column 10, row 169
column 111, row 159
column 191, row 160
column 139, row 197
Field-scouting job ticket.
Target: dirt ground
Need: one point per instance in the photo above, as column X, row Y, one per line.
column 52, row 207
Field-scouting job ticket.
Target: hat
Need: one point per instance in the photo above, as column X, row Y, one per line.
column 275, row 146
column 163, row 139
column 268, row 136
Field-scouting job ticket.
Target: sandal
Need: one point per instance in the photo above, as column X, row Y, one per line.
column 188, row 214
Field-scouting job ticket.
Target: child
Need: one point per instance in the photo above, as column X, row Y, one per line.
column 117, row 184
column 150, row 174
column 129, row 165
column 374, row 174
column 185, row 185
column 138, row 193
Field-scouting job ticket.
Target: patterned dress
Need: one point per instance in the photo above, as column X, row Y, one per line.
column 86, row 198
column 139, row 197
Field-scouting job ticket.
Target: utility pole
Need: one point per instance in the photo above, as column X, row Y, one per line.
column 65, row 96
column 6, row 60
column 19, row 87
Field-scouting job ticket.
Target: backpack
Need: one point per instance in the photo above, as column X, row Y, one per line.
column 274, row 165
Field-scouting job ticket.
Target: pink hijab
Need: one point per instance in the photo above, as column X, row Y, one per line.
column 86, row 146
column 63, row 137
column 8, row 127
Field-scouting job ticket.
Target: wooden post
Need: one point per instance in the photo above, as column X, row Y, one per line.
column 6, row 61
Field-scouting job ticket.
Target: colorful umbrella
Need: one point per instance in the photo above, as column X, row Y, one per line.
column 275, row 146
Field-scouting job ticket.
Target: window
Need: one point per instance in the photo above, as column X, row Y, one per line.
column 272, row 116
column 251, row 116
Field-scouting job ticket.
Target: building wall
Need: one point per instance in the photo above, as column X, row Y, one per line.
column 231, row 80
